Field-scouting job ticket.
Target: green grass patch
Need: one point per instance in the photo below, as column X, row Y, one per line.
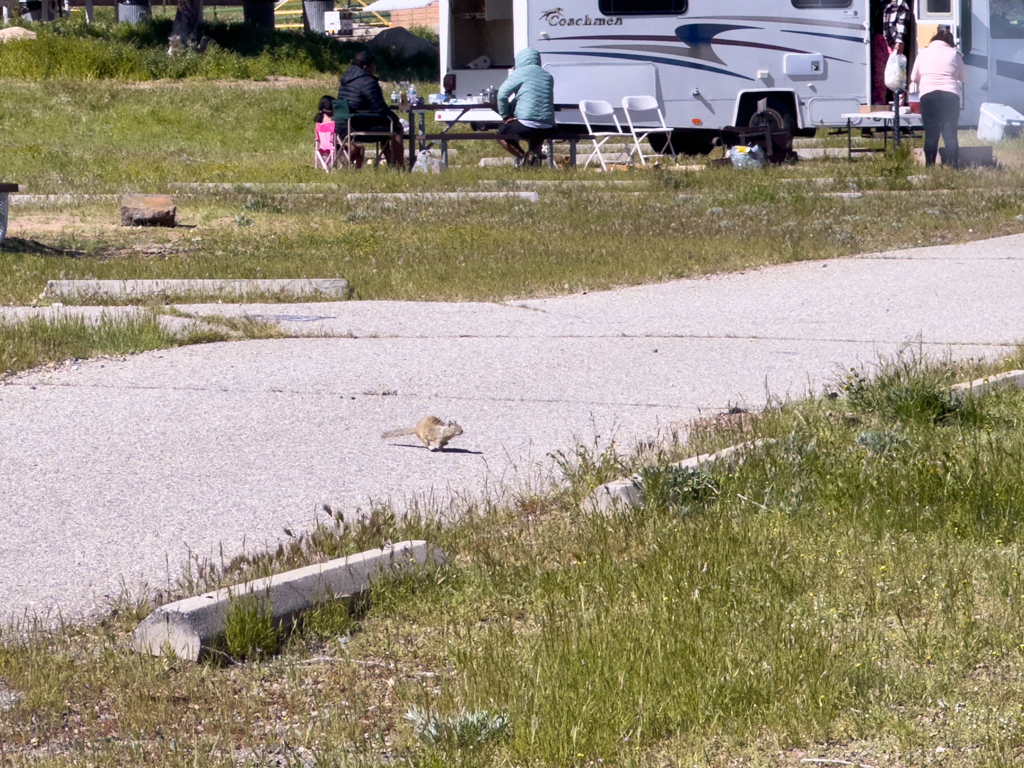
column 249, row 629
column 119, row 137
column 30, row 343
column 36, row 341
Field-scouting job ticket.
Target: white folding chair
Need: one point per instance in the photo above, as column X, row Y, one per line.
column 599, row 112
column 645, row 119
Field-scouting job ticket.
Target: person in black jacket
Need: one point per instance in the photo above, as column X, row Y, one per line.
column 362, row 91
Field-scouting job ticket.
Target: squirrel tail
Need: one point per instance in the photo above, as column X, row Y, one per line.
column 399, row 433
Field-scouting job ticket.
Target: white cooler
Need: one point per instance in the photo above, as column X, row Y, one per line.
column 995, row 119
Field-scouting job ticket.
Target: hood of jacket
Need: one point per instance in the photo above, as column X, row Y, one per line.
column 354, row 73
column 528, row 56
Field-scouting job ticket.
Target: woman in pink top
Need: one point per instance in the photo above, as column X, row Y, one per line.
column 938, row 72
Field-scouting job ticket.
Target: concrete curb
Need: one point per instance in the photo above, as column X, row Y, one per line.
column 37, row 199
column 628, row 492
column 188, row 186
column 532, row 197
column 191, row 626
column 560, row 184
column 337, row 288
column 986, row 384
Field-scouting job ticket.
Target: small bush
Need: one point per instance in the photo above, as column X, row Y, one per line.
column 907, row 390
column 462, row 731
column 250, row 632
column 677, row 486
column 426, row 33
column 328, row 619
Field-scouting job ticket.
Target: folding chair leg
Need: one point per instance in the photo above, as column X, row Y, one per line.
column 639, row 151
column 597, row 153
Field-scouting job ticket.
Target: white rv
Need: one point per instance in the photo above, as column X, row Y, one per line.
column 709, row 62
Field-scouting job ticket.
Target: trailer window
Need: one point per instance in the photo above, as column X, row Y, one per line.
column 642, row 7
column 822, row 3
column 1007, row 19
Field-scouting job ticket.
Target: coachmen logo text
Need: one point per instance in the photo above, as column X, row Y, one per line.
column 555, row 18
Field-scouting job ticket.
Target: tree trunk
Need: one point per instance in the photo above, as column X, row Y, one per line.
column 185, row 31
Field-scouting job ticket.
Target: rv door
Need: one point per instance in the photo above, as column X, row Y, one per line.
column 932, row 14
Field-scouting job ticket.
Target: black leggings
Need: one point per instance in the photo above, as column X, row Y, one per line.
column 940, row 113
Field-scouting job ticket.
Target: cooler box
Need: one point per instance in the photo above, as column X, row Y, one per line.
column 995, row 119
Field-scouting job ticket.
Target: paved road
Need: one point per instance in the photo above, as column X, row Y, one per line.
column 112, row 472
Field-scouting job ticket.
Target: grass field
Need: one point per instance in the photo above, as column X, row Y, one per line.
column 852, row 591
column 660, row 225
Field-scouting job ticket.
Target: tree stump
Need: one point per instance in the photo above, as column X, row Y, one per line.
column 147, row 211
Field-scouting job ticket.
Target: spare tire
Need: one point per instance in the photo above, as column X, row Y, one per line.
column 776, row 113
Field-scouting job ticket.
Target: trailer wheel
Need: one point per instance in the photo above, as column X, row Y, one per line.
column 777, row 114
column 684, row 141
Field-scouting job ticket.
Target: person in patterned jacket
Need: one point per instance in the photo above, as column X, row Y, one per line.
column 890, row 27
column 895, row 23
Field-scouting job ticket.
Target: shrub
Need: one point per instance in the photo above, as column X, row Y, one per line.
column 462, row 731
column 249, row 630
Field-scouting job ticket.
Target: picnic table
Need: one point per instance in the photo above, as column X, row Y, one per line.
column 890, row 120
column 417, row 130
column 5, row 190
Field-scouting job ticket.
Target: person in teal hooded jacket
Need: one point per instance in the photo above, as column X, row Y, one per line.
column 526, row 102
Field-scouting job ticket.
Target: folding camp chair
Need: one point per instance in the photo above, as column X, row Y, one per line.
column 325, row 150
column 342, row 113
column 600, row 112
column 645, row 119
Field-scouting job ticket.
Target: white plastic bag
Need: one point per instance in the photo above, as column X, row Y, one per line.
column 896, row 71
column 427, row 163
column 746, row 157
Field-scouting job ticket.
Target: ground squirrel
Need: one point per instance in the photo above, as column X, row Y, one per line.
column 433, row 432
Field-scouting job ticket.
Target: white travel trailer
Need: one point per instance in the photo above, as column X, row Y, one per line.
column 709, row 62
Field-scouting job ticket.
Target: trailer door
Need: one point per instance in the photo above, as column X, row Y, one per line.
column 972, row 36
column 1006, row 53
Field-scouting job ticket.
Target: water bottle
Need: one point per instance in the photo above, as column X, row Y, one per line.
column 395, row 96
column 412, row 94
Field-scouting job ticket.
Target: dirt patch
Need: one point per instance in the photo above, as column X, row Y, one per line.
column 49, row 223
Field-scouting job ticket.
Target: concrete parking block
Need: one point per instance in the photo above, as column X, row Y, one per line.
column 605, row 498
column 532, row 197
column 628, row 492
column 337, row 288
column 192, row 626
column 986, row 384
